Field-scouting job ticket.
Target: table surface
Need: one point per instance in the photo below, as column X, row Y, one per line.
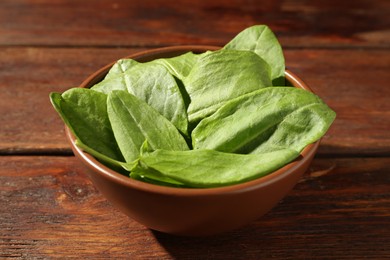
column 49, row 208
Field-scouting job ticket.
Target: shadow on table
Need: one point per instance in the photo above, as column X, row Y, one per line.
column 281, row 233
column 244, row 243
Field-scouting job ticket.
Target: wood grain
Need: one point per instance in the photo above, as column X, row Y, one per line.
column 167, row 22
column 30, row 124
column 27, row 76
column 352, row 83
column 48, row 208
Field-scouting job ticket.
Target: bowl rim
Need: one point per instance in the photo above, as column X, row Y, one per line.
column 111, row 175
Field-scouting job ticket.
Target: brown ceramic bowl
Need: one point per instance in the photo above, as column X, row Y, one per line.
column 185, row 211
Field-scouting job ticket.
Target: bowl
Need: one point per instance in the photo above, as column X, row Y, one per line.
column 192, row 211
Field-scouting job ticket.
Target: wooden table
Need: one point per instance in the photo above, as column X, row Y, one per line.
column 48, row 207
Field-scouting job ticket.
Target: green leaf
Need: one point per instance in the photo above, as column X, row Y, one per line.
column 116, row 165
column 300, row 128
column 261, row 40
column 133, row 121
column 154, row 177
column 84, row 111
column 179, row 66
column 109, row 84
column 207, row 168
column 120, row 67
column 221, row 76
column 153, row 84
column 266, row 120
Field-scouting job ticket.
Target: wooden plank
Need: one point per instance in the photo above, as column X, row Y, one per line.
column 353, row 84
column 167, row 22
column 48, row 208
column 30, row 125
column 27, row 76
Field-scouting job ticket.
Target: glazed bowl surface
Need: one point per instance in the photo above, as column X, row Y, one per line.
column 192, row 211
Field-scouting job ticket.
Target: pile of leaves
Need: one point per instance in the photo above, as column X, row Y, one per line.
column 197, row 120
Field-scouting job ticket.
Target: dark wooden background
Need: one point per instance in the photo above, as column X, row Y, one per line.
column 49, row 209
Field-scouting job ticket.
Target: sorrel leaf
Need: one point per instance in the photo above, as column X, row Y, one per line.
column 133, row 121
column 207, row 168
column 223, row 75
column 84, row 111
column 153, row 84
column 179, row 66
column 265, row 118
column 120, row 67
column 300, row 128
column 261, row 40
column 110, row 84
